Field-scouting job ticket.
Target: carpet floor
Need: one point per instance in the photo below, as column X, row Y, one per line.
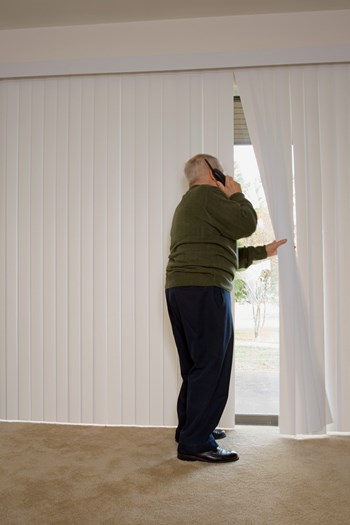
column 65, row 474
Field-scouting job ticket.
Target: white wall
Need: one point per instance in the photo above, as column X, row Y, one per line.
column 219, row 42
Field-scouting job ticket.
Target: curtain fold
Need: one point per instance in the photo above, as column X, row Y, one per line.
column 298, row 119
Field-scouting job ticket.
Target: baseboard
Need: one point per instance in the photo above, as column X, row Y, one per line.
column 256, row 419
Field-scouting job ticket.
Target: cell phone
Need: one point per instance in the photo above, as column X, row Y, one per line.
column 217, row 173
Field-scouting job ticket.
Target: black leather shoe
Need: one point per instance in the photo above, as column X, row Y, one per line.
column 212, row 456
column 218, row 433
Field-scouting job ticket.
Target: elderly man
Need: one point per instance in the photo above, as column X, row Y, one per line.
column 212, row 215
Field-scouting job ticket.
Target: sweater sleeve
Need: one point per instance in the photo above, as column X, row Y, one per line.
column 247, row 255
column 233, row 216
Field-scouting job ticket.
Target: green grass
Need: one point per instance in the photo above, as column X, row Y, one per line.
column 256, row 358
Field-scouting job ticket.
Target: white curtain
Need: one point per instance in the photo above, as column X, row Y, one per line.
column 298, row 119
column 91, row 169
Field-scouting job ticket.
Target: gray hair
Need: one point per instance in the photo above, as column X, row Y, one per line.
column 195, row 166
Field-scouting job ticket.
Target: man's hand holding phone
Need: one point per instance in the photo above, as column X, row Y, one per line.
column 231, row 186
column 224, row 182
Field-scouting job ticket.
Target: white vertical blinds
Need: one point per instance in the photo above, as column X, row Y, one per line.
column 90, row 173
column 298, row 120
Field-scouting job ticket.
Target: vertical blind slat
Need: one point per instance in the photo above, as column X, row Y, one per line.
column 24, row 175
column 128, row 250
column 49, row 247
column 87, row 215
column 3, row 140
column 36, row 255
column 74, row 268
column 11, row 251
column 172, row 167
column 62, row 250
column 142, row 247
column 100, row 251
column 114, row 269
column 155, row 255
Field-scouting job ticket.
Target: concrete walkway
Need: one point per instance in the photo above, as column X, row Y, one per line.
column 257, row 391
column 256, row 384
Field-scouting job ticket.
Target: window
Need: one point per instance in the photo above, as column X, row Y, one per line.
column 256, row 309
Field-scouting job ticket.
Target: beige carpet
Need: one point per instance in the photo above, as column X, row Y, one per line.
column 54, row 474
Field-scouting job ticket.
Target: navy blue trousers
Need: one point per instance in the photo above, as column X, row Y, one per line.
column 201, row 319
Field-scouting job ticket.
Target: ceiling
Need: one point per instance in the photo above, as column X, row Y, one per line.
column 41, row 13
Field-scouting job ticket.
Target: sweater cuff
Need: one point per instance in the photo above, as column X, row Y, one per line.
column 260, row 253
column 238, row 196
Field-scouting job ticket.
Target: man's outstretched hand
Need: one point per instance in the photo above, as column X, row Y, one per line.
column 271, row 249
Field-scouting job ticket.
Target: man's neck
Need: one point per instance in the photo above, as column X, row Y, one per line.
column 203, row 180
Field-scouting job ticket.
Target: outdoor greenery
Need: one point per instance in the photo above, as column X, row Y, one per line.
column 250, row 357
column 257, row 295
column 264, row 289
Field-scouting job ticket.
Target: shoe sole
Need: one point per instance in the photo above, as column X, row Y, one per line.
column 188, row 457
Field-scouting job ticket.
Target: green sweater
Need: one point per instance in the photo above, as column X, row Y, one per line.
column 204, row 234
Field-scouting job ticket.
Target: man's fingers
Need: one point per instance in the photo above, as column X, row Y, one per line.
column 280, row 242
column 271, row 249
